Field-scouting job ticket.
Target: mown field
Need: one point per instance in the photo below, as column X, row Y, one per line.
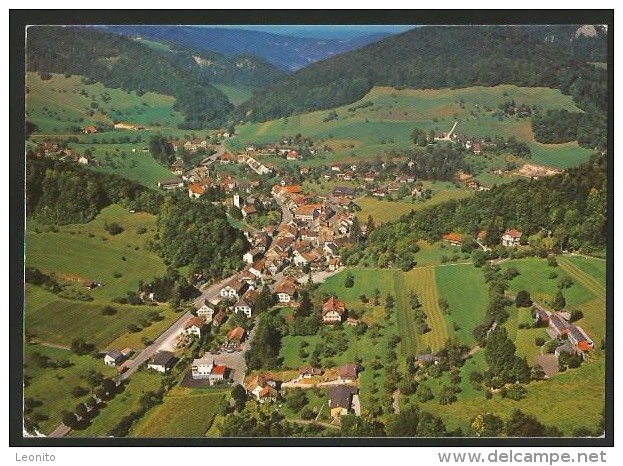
column 370, row 130
column 87, row 252
column 464, row 287
column 184, row 415
column 586, row 294
column 235, row 94
column 385, row 210
column 60, row 103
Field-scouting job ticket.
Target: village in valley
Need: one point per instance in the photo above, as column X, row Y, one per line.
column 375, row 269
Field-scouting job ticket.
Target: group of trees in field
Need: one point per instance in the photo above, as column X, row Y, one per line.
column 555, row 126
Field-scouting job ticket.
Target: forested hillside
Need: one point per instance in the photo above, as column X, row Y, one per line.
column 119, row 62
column 442, row 57
column 287, row 52
column 571, row 207
column 59, row 193
column 198, row 234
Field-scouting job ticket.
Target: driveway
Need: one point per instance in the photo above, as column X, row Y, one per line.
column 235, row 361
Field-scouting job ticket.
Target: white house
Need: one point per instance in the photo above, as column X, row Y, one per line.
column 233, row 289
column 511, row 238
column 251, row 256
column 285, row 291
column 113, row 358
column 206, row 311
column 194, row 326
column 246, row 304
column 206, row 368
column 299, row 259
column 333, row 310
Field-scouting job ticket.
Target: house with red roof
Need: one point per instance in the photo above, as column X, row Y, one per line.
column 207, row 368
column 196, row 190
column 333, row 311
column 455, row 239
column 194, row 326
column 248, row 210
column 263, row 388
column 511, row 238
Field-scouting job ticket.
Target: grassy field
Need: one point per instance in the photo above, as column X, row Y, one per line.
column 434, row 253
column 383, row 210
column 565, row 155
column 465, row 289
column 52, row 386
column 121, row 160
column 60, row 103
column 235, row 94
column 60, row 321
column 399, row 284
column 122, row 404
column 587, row 293
column 386, row 125
column 188, row 415
column 557, row 401
column 119, row 261
column 88, row 251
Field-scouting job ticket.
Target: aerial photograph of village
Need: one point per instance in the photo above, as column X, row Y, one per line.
column 369, row 231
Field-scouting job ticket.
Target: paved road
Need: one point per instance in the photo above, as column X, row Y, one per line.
column 152, row 349
column 396, row 401
column 60, row 431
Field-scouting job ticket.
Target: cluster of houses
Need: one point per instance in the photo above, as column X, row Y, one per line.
column 577, row 340
column 510, row 238
column 343, row 393
column 52, row 148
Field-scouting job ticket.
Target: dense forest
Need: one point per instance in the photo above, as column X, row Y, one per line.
column 119, row 62
column 60, row 193
column 555, row 126
column 197, row 234
column 570, row 208
column 441, row 57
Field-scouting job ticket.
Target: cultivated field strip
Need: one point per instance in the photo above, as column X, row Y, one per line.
column 424, row 282
column 598, row 289
column 410, row 340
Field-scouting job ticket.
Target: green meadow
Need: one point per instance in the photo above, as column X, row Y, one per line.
column 51, row 387
column 235, row 94
column 384, row 210
column 58, row 104
column 88, row 252
column 185, row 415
column 382, row 122
column 464, row 287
